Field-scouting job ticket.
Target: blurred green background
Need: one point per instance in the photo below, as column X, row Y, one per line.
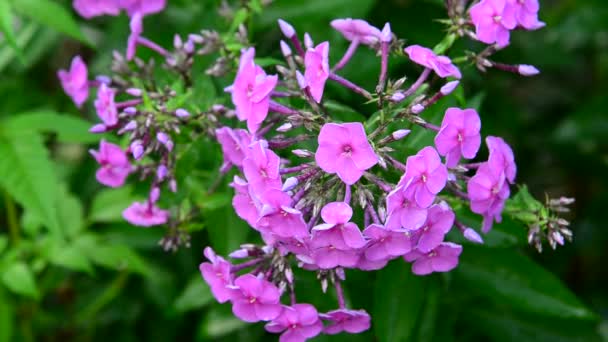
column 556, row 122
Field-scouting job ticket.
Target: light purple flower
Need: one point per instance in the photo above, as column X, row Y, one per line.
column 106, row 109
column 350, row 321
column 136, row 25
column 279, row 218
column 261, row 168
column 143, row 6
column 93, row 8
column 443, row 258
column 75, row 81
column 385, row 243
column 326, row 256
column 251, row 91
column 337, row 230
column 442, row 65
column 246, row 205
column 255, row 299
column 357, row 29
column 316, row 61
column 297, row 323
column 501, row 157
column 344, row 149
column 488, row 190
column 459, row 135
column 145, row 214
column 425, row 176
column 217, row 275
column 403, row 211
column 526, row 13
column 493, row 19
column 115, row 166
column 234, row 144
column 440, row 220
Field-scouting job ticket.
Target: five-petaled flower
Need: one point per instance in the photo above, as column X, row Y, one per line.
column 357, row 30
column 217, row 274
column 255, row 299
column 114, row 164
column 297, row 323
column 459, row 135
column 75, row 81
column 493, row 19
column 443, row 258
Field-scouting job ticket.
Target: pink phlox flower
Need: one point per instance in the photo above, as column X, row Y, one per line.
column 297, row 323
column 261, row 168
column 526, row 13
column 501, row 157
column 488, row 191
column 459, row 135
column 235, row 144
column 493, row 19
column 246, row 205
column 115, row 166
column 357, row 29
column 251, row 91
column 106, row 109
column 325, row 255
column 403, row 211
column 425, row 176
column 337, row 230
column 142, row 6
column 439, row 221
column 385, row 243
column 366, row 264
column 316, row 61
column 93, row 8
column 217, row 275
column 344, row 150
column 145, row 214
column 278, row 217
column 255, row 299
column 443, row 258
column 345, row 320
column 137, row 27
column 442, row 65
column 75, row 81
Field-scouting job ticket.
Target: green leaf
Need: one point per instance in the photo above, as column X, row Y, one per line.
column 109, row 204
column 212, row 201
column 195, row 296
column 3, row 243
column 27, row 174
column 116, row 257
column 506, row 276
column 398, row 299
column 6, row 27
column 51, row 14
column 18, row 278
column 219, row 323
column 69, row 129
column 70, row 256
column 6, row 318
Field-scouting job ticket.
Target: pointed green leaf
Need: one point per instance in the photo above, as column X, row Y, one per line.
column 18, row 277
column 195, row 296
column 6, row 27
column 69, row 129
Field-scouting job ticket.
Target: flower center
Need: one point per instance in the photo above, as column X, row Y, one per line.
column 432, row 254
column 497, row 18
column 459, row 137
column 252, row 300
column 495, row 190
column 424, row 178
column 263, row 173
column 347, row 150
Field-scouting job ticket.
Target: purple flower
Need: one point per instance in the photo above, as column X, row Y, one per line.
column 326, row 256
column 106, row 109
column 350, row 321
column 245, row 204
column 143, row 6
column 115, row 166
column 385, row 243
column 297, row 323
column 488, row 190
column 493, row 20
column 316, row 61
column 344, row 149
column 145, row 214
column 442, row 65
column 93, row 8
column 440, row 220
column 403, row 211
column 255, row 299
column 501, row 157
column 336, row 230
column 75, row 82
column 261, row 168
column 279, row 218
column 234, row 144
column 443, row 258
column 357, row 29
column 217, row 275
column 526, row 13
column 136, row 25
column 425, row 176
column 459, row 135
column 251, row 91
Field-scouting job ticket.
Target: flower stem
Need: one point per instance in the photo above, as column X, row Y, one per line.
column 347, row 55
column 348, row 84
column 152, row 46
column 339, row 293
column 246, row 264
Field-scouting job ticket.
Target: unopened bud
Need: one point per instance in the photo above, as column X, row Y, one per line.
column 130, row 111
column 239, row 254
column 286, row 28
column 161, row 172
column 449, row 87
column 301, row 80
column 285, row 127
column 308, row 41
column 417, row 108
column 182, row 113
column 103, row 79
column 471, row 235
column 154, row 194
column 386, row 35
column 173, row 185
column 285, row 49
column 302, row 153
column 134, row 92
column 177, row 41
column 137, row 149
column 527, row 70
column 400, row 134
column 397, row 97
column 289, row 184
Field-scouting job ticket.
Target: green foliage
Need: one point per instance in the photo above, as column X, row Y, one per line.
column 19, row 278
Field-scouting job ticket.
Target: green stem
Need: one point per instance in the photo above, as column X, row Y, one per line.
column 11, row 217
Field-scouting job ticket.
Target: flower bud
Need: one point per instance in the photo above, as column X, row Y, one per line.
column 400, row 134
column 417, row 108
column 130, row 111
column 285, row 49
column 449, row 87
column 302, row 153
column 161, row 172
column 286, row 28
column 239, row 254
column 301, row 80
column 386, row 35
column 177, row 41
column 137, row 149
column 173, row 185
column 527, row 70
column 196, row 38
column 103, row 79
column 182, row 113
column 99, row 128
column 290, row 184
column 134, row 92
column 308, row 41
column 471, row 235
column 154, row 194
column 397, row 97
column 285, row 127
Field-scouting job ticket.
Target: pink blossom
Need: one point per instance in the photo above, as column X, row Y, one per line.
column 493, row 20
column 261, row 168
column 366, row 264
column 75, row 81
column 442, row 65
column 337, row 230
column 279, row 218
column 217, row 275
column 488, row 190
column 350, row 321
column 526, row 13
column 115, row 166
column 443, row 258
column 255, row 299
column 93, row 8
column 145, row 214
column 316, row 61
column 143, row 6
column 106, row 109
column 439, row 221
column 297, row 323
column 246, row 205
column 234, row 144
column 251, row 91
column 357, row 29
column 344, row 149
column 403, row 211
column 327, row 256
column 385, row 243
column 459, row 135
column 136, row 25
column 501, row 157
column 425, row 176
